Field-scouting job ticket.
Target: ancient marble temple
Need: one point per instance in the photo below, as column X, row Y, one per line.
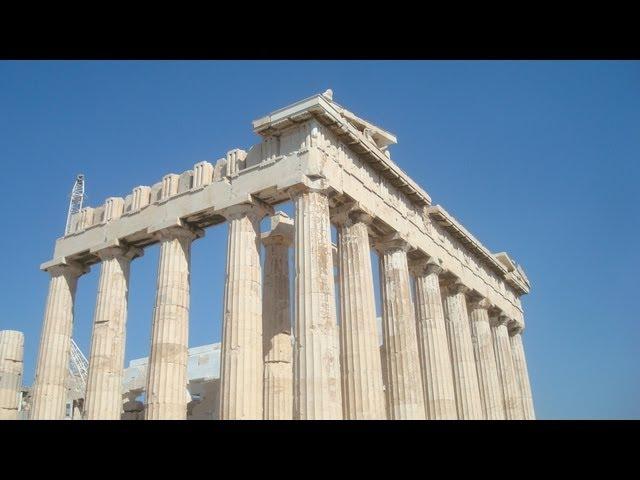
column 452, row 320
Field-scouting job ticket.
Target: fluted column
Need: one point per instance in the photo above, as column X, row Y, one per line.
column 506, row 373
column 241, row 369
column 276, row 321
column 166, row 391
column 11, row 363
column 521, row 371
column 103, row 400
column 385, row 379
column 435, row 360
column 465, row 378
column 317, row 352
column 405, row 394
column 488, row 382
column 361, row 368
column 50, row 392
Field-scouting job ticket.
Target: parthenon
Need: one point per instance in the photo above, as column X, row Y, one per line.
column 452, row 319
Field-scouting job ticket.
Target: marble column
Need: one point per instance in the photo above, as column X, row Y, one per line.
column 317, row 352
column 166, row 394
column 435, row 360
column 361, row 368
column 11, row 363
column 465, row 378
column 521, row 371
column 50, row 391
column 241, row 365
column 385, row 379
column 276, row 321
column 405, row 394
column 103, row 400
column 506, row 373
column 488, row 382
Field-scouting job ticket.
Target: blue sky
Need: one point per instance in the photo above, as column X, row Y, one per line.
column 540, row 159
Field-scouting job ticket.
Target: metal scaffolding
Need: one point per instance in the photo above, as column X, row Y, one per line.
column 75, row 202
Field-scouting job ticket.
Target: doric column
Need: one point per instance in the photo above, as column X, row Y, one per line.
column 435, row 360
column 361, row 369
column 49, row 391
column 276, row 321
column 506, row 373
column 11, row 358
column 317, row 353
column 103, row 400
column 166, row 391
column 385, row 379
column 405, row 395
column 465, row 378
column 241, row 366
column 521, row 371
column 488, row 382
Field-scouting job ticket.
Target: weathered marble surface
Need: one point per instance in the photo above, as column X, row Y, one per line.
column 405, row 394
column 318, row 385
column 435, row 360
column 49, row 390
column 166, row 394
column 522, row 373
column 103, row 400
column 488, row 382
column 11, row 366
column 363, row 394
column 276, row 321
column 242, row 359
column 511, row 394
column 465, row 377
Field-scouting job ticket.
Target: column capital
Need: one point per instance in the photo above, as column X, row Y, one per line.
column 426, row 267
column 117, row 248
column 254, row 208
column 351, row 212
column 456, row 286
column 269, row 238
column 480, row 303
column 391, row 242
column 313, row 186
column 282, row 230
column 67, row 268
column 173, row 232
column 499, row 320
column 123, row 251
column 515, row 328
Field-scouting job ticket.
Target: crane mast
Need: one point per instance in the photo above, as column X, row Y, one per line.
column 78, row 365
column 75, row 202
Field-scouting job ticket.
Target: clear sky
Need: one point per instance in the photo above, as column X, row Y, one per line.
column 539, row 159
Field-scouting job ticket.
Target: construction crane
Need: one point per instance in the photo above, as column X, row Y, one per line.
column 76, row 382
column 78, row 367
column 75, row 202
column 78, row 364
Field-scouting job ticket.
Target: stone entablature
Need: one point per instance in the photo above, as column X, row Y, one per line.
column 366, row 140
column 419, row 225
column 307, row 142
